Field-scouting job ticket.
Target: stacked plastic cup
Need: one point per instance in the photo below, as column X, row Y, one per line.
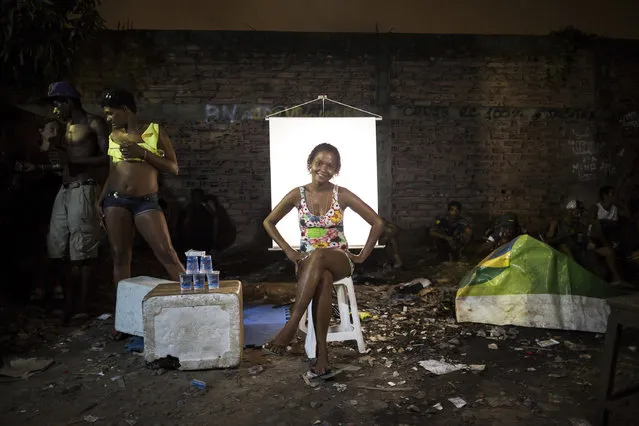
column 213, row 279
column 206, row 264
column 186, row 282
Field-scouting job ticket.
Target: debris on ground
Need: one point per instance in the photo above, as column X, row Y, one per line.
column 457, row 402
column 256, row 370
column 24, row 367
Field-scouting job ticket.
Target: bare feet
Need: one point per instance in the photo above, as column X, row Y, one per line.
column 321, row 366
column 273, row 348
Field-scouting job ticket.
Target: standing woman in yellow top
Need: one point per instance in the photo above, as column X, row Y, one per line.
column 129, row 200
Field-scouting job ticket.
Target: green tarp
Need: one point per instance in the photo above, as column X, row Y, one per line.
column 528, row 283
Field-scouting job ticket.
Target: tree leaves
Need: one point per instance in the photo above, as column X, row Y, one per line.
column 41, row 38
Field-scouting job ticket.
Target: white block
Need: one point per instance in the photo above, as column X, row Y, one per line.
column 128, row 306
column 202, row 329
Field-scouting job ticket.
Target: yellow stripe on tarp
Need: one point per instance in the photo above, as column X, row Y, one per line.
column 496, row 262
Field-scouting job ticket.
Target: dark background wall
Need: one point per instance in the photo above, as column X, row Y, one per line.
column 610, row 18
column 498, row 122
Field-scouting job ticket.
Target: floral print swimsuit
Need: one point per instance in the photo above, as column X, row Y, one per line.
column 326, row 231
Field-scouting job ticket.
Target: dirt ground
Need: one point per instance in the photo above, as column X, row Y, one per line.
column 95, row 380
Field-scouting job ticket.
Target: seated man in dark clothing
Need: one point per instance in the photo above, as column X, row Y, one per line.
column 389, row 238
column 575, row 236
column 204, row 224
column 505, row 231
column 451, row 232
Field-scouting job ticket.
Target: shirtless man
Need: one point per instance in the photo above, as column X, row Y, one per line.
column 74, row 228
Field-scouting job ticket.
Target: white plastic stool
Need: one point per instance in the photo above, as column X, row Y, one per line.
column 346, row 330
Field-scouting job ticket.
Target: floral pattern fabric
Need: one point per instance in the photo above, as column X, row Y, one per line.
column 326, row 231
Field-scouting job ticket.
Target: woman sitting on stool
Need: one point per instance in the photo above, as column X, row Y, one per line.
column 323, row 257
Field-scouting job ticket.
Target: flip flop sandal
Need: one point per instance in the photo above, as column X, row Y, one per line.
column 266, row 348
column 311, row 375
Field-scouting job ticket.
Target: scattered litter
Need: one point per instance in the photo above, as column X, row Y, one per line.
column 130, row 422
column 438, row 407
column 457, row 402
column 120, row 381
column 413, row 287
column 556, row 376
column 90, row 419
column 391, row 384
column 384, row 389
column 104, row 317
column 546, row 343
column 632, row 348
column 497, row 332
column 25, row 367
column 493, row 346
column 575, row 346
column 340, row 387
column 585, row 356
column 198, row 384
column 578, row 422
column 97, row 347
column 531, row 369
column 365, row 316
column 442, row 367
column 256, row 370
column 353, row 402
column 167, row 363
column 349, row 367
column 413, row 408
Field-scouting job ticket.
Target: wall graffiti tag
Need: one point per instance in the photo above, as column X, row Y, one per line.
column 587, row 165
column 235, row 113
column 583, row 149
column 494, row 113
column 630, row 120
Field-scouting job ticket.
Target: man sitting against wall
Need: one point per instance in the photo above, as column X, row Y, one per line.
column 579, row 236
column 452, row 233
column 506, row 230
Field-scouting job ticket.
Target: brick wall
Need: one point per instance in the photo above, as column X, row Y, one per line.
column 499, row 123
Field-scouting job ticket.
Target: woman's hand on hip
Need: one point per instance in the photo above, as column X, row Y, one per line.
column 294, row 256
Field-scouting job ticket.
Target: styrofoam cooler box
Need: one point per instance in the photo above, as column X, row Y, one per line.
column 202, row 329
column 128, row 306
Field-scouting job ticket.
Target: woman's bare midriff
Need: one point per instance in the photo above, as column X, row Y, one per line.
column 133, row 178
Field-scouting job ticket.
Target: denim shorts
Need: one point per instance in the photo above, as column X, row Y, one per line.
column 136, row 205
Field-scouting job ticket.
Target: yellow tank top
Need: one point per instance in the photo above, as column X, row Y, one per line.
column 150, row 137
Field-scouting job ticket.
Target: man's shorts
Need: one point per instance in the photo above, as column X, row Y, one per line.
column 74, row 229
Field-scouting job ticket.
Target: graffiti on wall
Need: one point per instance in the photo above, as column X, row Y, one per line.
column 494, row 113
column 630, row 120
column 235, row 113
column 587, row 164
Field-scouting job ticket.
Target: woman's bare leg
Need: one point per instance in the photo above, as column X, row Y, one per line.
column 321, row 319
column 152, row 226
column 119, row 224
column 320, row 261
